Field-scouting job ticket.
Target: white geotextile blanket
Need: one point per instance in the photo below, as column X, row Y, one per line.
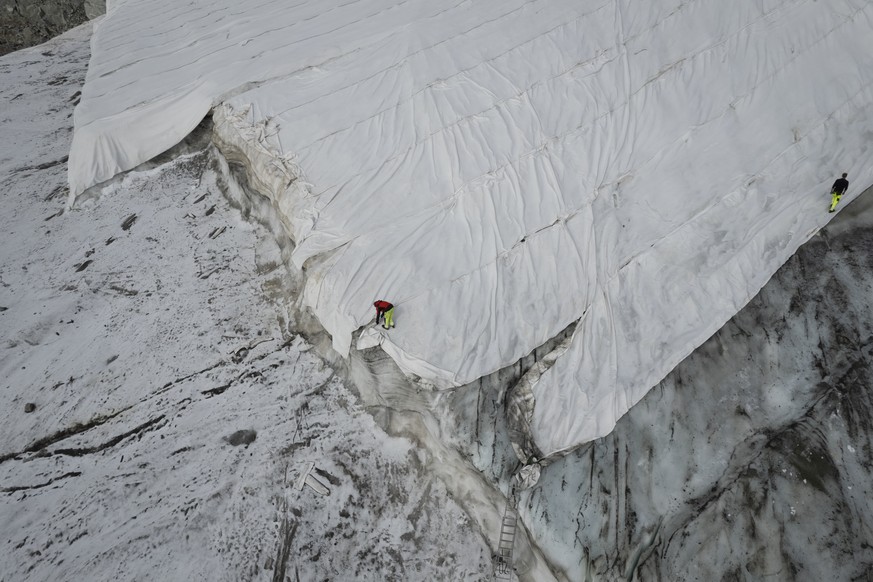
column 499, row 169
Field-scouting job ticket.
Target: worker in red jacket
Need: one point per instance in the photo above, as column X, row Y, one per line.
column 386, row 309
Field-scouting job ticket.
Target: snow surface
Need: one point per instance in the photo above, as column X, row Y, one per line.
column 499, row 170
column 152, row 330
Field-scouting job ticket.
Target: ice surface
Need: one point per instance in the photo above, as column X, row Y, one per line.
column 499, row 170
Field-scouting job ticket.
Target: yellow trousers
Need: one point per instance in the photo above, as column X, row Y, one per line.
column 389, row 318
column 835, row 200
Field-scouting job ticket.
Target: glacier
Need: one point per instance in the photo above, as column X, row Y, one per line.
column 151, row 331
column 503, row 170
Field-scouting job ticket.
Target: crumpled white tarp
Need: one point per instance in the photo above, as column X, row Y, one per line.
column 499, row 169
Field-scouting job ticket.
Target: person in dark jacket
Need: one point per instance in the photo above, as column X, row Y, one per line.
column 384, row 308
column 837, row 190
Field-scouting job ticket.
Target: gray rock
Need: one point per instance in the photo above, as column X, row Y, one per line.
column 25, row 23
column 29, row 407
column 241, row 437
column 94, row 8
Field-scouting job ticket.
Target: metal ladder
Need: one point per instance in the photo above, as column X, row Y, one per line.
column 503, row 560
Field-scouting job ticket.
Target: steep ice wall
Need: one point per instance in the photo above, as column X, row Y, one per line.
column 500, row 170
